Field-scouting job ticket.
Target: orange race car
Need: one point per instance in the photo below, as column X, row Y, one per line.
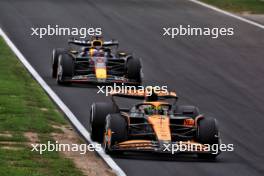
column 155, row 125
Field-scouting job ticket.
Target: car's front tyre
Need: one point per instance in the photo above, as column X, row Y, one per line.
column 98, row 113
column 65, row 69
column 116, row 131
column 55, row 60
column 207, row 133
column 134, row 69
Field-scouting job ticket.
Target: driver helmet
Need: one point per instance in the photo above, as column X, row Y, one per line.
column 152, row 110
column 97, row 42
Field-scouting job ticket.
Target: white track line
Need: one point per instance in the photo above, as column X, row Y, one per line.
column 61, row 105
column 228, row 13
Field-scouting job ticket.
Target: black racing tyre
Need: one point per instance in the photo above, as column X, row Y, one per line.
column 118, row 127
column 189, row 111
column 134, row 69
column 207, row 133
column 55, row 60
column 98, row 113
column 65, row 68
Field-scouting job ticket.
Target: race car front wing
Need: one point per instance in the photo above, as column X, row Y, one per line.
column 91, row 78
column 161, row 146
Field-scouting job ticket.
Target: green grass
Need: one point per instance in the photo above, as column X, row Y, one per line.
column 23, row 104
column 25, row 162
column 24, row 107
column 251, row 6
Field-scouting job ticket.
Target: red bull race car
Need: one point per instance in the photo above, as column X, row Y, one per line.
column 154, row 125
column 95, row 61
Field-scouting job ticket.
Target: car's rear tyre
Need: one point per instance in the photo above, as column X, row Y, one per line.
column 189, row 111
column 116, row 131
column 134, row 69
column 65, row 69
column 207, row 133
column 55, row 60
column 98, row 113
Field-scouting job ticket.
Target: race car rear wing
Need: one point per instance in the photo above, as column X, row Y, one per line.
column 141, row 95
column 88, row 43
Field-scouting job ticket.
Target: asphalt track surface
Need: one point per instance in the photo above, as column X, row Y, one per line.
column 224, row 77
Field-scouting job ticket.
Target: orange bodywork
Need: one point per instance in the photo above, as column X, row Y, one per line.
column 189, row 122
column 161, row 126
column 160, row 123
column 135, row 141
column 139, row 144
column 142, row 93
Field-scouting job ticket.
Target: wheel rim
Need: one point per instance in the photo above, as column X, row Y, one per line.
column 59, row 72
column 91, row 118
